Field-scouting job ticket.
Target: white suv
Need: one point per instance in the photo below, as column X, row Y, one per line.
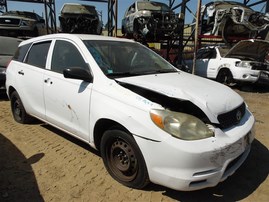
column 246, row 62
column 150, row 121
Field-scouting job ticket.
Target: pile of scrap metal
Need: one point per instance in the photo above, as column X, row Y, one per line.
column 78, row 18
column 150, row 20
column 233, row 19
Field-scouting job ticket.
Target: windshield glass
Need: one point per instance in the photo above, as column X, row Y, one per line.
column 21, row 14
column 223, row 51
column 121, row 59
column 152, row 6
column 78, row 9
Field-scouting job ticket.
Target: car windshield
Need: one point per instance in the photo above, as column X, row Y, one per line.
column 229, row 4
column 223, row 51
column 122, row 59
column 79, row 9
column 21, row 14
column 152, row 6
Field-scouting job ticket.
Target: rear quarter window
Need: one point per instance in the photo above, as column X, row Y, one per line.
column 21, row 52
column 37, row 56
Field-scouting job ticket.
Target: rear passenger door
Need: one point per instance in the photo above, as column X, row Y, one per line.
column 30, row 79
column 67, row 100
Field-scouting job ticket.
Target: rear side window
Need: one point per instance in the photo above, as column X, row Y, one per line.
column 37, row 55
column 21, row 52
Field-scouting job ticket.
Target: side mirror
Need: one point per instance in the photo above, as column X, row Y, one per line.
column 78, row 73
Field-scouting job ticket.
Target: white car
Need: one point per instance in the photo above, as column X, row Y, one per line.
column 247, row 61
column 148, row 120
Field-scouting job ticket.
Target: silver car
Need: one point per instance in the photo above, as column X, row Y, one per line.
column 149, row 19
column 232, row 19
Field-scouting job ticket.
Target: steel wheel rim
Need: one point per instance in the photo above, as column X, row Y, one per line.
column 122, row 160
column 17, row 110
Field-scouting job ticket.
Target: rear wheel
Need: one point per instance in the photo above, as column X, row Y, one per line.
column 225, row 76
column 123, row 159
column 17, row 108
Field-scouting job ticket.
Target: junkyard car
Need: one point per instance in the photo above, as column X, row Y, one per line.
column 78, row 18
column 21, row 23
column 8, row 47
column 232, row 19
column 149, row 19
column 148, row 120
column 247, row 61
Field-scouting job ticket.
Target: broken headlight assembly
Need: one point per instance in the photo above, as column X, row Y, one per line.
column 27, row 23
column 244, row 64
column 181, row 125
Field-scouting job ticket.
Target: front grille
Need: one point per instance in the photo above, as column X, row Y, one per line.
column 259, row 66
column 233, row 117
column 10, row 21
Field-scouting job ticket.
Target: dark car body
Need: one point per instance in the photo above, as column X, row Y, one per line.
column 8, row 47
column 78, row 18
column 151, row 20
column 21, row 24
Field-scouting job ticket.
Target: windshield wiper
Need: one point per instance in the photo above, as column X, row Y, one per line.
column 159, row 71
column 122, row 74
column 138, row 73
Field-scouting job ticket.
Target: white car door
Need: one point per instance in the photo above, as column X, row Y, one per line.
column 30, row 79
column 205, row 58
column 67, row 100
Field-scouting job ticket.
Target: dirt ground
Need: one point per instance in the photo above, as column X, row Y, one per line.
column 40, row 163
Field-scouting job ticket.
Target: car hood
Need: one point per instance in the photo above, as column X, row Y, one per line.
column 211, row 97
column 255, row 49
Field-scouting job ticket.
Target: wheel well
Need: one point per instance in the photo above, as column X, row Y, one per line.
column 224, row 69
column 103, row 125
column 10, row 91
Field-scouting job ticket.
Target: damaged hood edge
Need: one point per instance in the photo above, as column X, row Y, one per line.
column 211, row 97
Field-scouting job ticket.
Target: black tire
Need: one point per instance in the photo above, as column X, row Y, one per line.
column 123, row 159
column 18, row 111
column 225, row 76
column 136, row 29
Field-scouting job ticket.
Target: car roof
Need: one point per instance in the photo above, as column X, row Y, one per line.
column 75, row 37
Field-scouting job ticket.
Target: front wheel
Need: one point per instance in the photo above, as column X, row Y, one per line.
column 17, row 108
column 225, row 76
column 123, row 159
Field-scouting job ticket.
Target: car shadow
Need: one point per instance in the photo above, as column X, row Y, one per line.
column 3, row 96
column 70, row 138
column 237, row 187
column 18, row 182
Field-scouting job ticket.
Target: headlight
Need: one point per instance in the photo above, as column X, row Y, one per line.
column 244, row 64
column 180, row 125
column 27, row 23
column 146, row 13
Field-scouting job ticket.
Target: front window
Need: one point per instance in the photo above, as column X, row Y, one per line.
column 119, row 59
column 79, row 9
column 152, row 6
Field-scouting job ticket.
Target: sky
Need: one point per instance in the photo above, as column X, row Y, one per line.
column 102, row 7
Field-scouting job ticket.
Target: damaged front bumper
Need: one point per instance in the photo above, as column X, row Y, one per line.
column 263, row 78
column 158, row 28
column 192, row 165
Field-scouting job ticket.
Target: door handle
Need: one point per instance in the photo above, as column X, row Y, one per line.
column 48, row 81
column 21, row 72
